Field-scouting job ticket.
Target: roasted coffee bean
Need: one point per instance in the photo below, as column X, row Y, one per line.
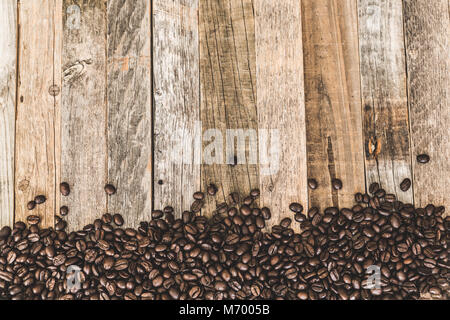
column 405, row 185
column 31, row 205
column 337, row 184
column 64, row 211
column 64, row 188
column 312, row 183
column 212, row 189
column 423, row 158
column 33, row 220
column 110, row 189
column 118, row 220
column 296, row 207
column 40, row 199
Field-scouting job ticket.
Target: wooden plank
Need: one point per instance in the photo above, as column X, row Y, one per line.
column 36, row 120
column 176, row 108
column 8, row 48
column 129, row 108
column 426, row 33
column 281, row 104
column 383, row 89
column 333, row 100
column 228, row 97
column 83, row 115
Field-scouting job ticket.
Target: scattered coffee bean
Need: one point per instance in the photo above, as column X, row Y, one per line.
column 32, row 220
column 31, row 205
column 423, row 158
column 312, row 183
column 64, row 211
column 40, row 199
column 64, row 188
column 212, row 189
column 337, row 184
column 405, row 185
column 110, row 189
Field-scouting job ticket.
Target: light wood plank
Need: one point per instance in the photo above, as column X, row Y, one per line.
column 281, row 104
column 383, row 89
column 228, row 97
column 8, row 63
column 333, row 100
column 426, row 32
column 83, row 145
column 129, row 109
column 176, row 109
column 37, row 121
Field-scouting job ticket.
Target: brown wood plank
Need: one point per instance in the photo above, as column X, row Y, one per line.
column 281, row 104
column 129, row 108
column 8, row 48
column 426, row 32
column 228, row 97
column 176, row 109
column 83, row 115
column 333, row 101
column 384, row 100
column 37, row 122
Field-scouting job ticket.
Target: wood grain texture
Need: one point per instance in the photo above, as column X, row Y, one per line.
column 176, row 103
column 8, row 64
column 384, row 100
column 333, row 101
column 129, row 108
column 228, row 96
column 426, row 32
column 37, row 120
column 281, row 104
column 83, row 115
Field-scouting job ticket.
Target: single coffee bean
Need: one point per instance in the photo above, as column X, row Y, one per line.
column 64, row 211
column 199, row 195
column 118, row 220
column 212, row 189
column 64, row 188
column 40, row 199
column 110, row 189
column 337, row 184
column 32, row 220
column 405, row 185
column 31, row 205
column 296, row 207
column 423, row 158
column 312, row 183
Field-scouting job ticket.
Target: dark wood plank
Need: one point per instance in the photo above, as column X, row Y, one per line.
column 281, row 105
column 8, row 48
column 333, row 100
column 228, row 97
column 176, row 108
column 426, row 33
column 383, row 89
column 83, row 114
column 129, row 108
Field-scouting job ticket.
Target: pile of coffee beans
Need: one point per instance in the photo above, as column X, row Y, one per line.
column 378, row 249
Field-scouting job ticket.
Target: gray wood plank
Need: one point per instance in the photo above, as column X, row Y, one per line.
column 83, row 114
column 176, row 109
column 129, row 108
column 427, row 48
column 383, row 90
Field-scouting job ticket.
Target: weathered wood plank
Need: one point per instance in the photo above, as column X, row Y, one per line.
column 176, row 109
column 383, row 89
column 83, row 115
column 129, row 108
column 228, row 97
column 36, row 120
column 333, row 101
column 426, row 32
column 8, row 63
column 281, row 104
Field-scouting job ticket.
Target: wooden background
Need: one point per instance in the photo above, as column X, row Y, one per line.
column 92, row 91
